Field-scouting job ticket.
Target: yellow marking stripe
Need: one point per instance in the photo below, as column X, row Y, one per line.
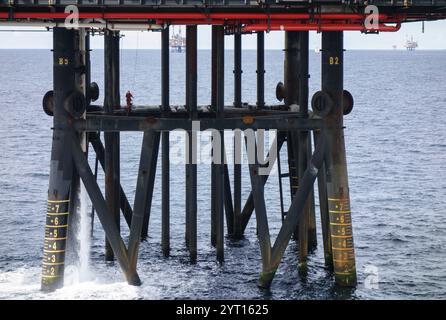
column 343, row 249
column 333, row 199
column 342, row 237
column 341, row 224
column 58, row 214
column 55, row 239
column 53, row 264
column 343, row 261
column 335, row 211
column 62, row 226
column 343, row 273
column 51, row 277
column 53, row 251
column 58, row 201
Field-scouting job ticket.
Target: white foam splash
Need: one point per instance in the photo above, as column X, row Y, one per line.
column 81, row 272
column 84, row 236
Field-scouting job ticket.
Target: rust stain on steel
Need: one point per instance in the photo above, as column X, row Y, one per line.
column 248, row 120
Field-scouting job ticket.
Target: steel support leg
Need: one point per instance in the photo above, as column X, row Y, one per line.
column 112, row 157
column 323, row 204
column 337, row 177
column 191, row 166
column 61, row 167
column 213, row 165
column 165, row 103
column 260, row 69
column 220, row 168
column 237, row 229
column 304, row 76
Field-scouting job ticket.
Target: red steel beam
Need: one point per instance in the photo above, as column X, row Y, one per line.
column 193, row 16
column 251, row 21
column 319, row 27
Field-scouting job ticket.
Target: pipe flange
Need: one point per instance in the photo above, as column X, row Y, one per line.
column 75, row 104
column 48, row 103
column 322, row 104
column 94, row 91
column 348, row 102
column 280, row 91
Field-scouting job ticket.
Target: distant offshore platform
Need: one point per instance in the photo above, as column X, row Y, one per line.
column 177, row 42
column 411, row 44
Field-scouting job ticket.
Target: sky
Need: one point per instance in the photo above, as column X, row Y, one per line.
column 434, row 38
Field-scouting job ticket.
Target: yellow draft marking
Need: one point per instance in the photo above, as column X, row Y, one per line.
column 64, row 226
column 343, row 273
column 58, row 201
column 58, row 214
column 341, row 224
column 343, row 249
column 334, row 211
column 343, row 261
column 54, row 264
column 50, row 277
column 53, row 251
column 332, row 199
column 54, row 239
column 342, row 237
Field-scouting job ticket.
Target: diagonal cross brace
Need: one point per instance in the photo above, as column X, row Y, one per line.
column 110, row 228
column 271, row 259
column 147, row 168
column 125, row 205
column 249, row 205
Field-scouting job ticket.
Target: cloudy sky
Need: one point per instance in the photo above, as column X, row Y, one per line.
column 434, row 37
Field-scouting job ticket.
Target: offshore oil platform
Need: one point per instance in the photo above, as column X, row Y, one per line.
column 177, row 42
column 78, row 122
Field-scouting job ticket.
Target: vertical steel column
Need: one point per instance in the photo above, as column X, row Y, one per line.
column 292, row 97
column 305, row 137
column 87, row 57
column 165, row 104
column 191, row 166
column 220, row 172
column 213, row 165
column 112, row 139
column 304, row 221
column 61, row 168
column 237, row 230
column 323, row 205
column 337, row 176
column 291, row 81
column 260, row 69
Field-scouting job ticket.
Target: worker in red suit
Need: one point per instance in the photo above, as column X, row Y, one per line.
column 129, row 101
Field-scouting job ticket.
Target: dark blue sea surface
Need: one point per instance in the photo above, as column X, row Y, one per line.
column 396, row 148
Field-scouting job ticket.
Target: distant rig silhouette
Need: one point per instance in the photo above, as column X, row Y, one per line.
column 411, row 45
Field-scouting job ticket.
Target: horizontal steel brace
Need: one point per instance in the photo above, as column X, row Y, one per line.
column 119, row 123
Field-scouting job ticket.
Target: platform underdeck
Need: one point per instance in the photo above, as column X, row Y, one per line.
column 268, row 15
